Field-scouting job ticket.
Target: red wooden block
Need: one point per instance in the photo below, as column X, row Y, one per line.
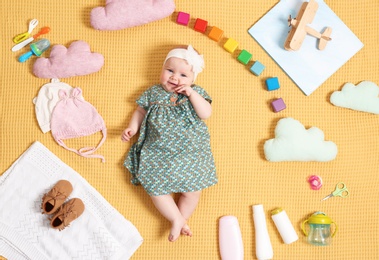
column 200, row 25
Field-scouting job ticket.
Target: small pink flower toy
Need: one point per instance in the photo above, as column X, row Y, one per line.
column 315, row 182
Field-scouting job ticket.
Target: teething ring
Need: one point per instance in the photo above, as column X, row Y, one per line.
column 315, row 182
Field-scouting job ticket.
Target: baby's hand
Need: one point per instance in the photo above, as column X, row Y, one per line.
column 184, row 89
column 127, row 134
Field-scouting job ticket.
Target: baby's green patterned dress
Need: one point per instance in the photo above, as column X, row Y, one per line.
column 173, row 153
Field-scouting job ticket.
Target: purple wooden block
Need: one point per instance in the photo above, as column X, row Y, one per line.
column 278, row 105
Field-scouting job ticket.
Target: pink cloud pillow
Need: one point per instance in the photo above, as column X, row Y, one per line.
column 76, row 60
column 120, row 14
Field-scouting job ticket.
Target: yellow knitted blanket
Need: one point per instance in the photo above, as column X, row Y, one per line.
column 241, row 122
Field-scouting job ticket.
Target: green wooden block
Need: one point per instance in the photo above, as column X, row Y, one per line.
column 244, row 57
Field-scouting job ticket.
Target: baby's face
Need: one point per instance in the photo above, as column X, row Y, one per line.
column 175, row 73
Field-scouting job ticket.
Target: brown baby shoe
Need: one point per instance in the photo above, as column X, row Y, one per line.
column 68, row 212
column 52, row 200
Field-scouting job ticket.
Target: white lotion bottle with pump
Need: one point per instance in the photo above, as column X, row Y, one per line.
column 263, row 245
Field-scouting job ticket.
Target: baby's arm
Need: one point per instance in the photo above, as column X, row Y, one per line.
column 202, row 107
column 134, row 124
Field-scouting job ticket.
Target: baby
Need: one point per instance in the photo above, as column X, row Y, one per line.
column 173, row 153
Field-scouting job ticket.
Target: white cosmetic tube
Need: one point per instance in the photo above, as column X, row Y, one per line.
column 230, row 239
column 263, row 245
column 284, row 226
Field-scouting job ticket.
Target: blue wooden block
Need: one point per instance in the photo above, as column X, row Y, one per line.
column 257, row 68
column 278, row 105
column 272, row 83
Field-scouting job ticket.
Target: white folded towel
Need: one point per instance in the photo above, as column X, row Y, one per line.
column 101, row 232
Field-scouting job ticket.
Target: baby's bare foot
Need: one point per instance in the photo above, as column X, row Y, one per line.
column 176, row 228
column 186, row 230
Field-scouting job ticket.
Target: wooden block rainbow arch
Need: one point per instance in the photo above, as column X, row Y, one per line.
column 216, row 34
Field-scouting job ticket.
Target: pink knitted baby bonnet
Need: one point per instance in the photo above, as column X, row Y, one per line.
column 74, row 117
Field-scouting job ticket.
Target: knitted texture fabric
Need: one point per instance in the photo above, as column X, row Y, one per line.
column 120, row 14
column 76, row 60
column 73, row 117
column 46, row 100
column 242, row 120
column 101, row 232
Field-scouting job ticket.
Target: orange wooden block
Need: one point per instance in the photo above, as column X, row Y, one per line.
column 215, row 33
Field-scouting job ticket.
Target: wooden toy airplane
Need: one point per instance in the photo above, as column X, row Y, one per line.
column 300, row 28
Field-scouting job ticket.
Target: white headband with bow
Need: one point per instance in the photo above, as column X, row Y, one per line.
column 191, row 56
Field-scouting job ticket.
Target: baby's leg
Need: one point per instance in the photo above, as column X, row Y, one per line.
column 187, row 204
column 168, row 208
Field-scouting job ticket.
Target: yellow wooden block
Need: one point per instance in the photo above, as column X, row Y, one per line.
column 231, row 45
column 215, row 33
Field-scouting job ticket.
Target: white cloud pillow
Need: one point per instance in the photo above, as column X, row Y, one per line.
column 293, row 142
column 363, row 97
